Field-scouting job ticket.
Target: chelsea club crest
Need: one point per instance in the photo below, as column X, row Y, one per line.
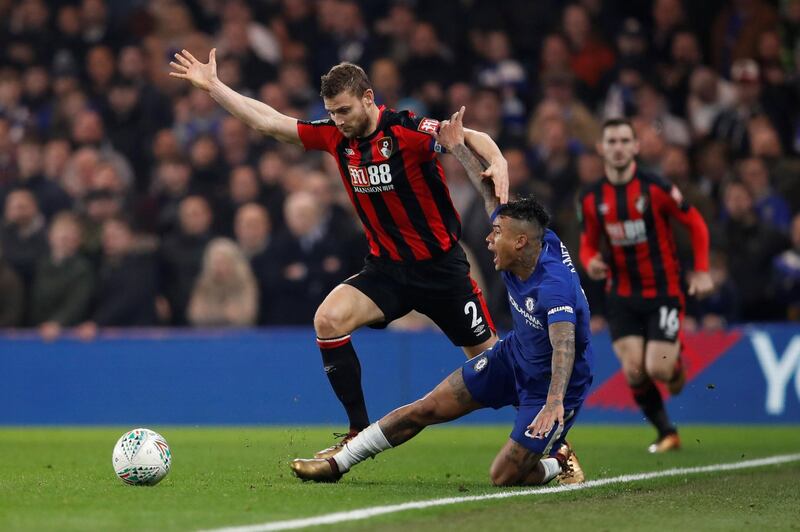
column 530, row 303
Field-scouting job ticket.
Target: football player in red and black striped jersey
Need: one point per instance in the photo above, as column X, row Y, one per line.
column 629, row 213
column 388, row 165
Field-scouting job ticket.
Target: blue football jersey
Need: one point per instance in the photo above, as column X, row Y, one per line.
column 551, row 294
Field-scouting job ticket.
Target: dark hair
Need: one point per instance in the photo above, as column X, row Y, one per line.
column 526, row 209
column 614, row 122
column 345, row 77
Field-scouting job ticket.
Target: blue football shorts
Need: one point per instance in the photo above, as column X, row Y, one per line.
column 491, row 379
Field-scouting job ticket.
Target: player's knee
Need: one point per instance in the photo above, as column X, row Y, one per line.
column 633, row 374
column 330, row 322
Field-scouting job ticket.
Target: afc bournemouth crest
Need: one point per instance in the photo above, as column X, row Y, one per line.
column 385, row 147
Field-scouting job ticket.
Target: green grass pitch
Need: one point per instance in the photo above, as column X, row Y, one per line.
column 62, row 479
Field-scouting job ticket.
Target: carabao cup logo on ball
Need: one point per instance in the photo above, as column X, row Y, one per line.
column 141, row 457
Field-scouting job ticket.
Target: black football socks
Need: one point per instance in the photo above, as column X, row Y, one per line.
column 344, row 373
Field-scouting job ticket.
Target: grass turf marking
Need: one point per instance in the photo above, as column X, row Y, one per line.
column 366, row 513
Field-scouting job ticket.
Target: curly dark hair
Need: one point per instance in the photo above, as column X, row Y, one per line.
column 526, row 209
column 345, row 77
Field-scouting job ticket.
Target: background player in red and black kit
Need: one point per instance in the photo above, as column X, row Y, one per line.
column 388, row 165
column 629, row 212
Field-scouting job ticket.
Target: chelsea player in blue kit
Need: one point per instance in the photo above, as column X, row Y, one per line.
column 543, row 367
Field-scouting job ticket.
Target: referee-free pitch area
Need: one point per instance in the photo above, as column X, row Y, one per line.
column 62, row 479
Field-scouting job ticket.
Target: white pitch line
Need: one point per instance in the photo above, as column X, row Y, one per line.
column 366, row 513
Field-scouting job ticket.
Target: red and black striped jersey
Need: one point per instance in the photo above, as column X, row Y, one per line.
column 633, row 219
column 395, row 183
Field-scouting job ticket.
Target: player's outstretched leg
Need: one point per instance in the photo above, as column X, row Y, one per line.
column 449, row 400
column 344, row 310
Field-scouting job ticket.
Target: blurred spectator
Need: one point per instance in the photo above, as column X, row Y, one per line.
column 559, row 94
column 312, row 262
column 620, row 99
column 126, row 285
column 676, row 168
column 555, row 162
column 253, row 230
column 686, row 56
column 88, row 131
column 343, row 35
column 254, row 237
column 770, row 207
column 486, row 114
column 225, row 293
column 234, row 139
column 50, row 197
column 64, row 280
column 786, row 272
column 709, row 95
column 735, row 32
column 243, row 187
column 429, row 67
column 721, row 308
column 500, row 71
column 652, row 110
column 750, row 246
column 12, row 304
column 387, row 82
column 57, row 152
column 730, row 125
column 181, row 256
column 7, row 150
column 173, row 183
column 395, row 32
column 129, row 127
column 591, row 57
column 271, row 169
column 668, row 17
column 100, row 68
column 713, row 167
column 23, row 234
column 207, row 165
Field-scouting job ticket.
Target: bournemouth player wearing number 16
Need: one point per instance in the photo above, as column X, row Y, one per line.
column 388, row 164
column 629, row 213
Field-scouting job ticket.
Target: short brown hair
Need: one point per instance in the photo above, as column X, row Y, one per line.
column 345, row 77
column 614, row 122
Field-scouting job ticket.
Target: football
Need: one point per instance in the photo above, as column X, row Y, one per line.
column 141, row 457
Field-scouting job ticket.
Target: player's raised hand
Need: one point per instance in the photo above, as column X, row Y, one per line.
column 200, row 74
column 597, row 269
column 700, row 284
column 550, row 414
column 451, row 132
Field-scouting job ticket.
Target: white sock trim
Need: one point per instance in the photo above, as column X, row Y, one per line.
column 368, row 443
column 551, row 469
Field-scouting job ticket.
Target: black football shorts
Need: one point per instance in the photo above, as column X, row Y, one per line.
column 440, row 288
column 651, row 318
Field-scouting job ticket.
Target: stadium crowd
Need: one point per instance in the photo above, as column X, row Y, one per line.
column 130, row 199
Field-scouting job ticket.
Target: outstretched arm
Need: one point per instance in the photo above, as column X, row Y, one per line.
column 451, row 135
column 482, row 144
column 255, row 114
column 562, row 338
